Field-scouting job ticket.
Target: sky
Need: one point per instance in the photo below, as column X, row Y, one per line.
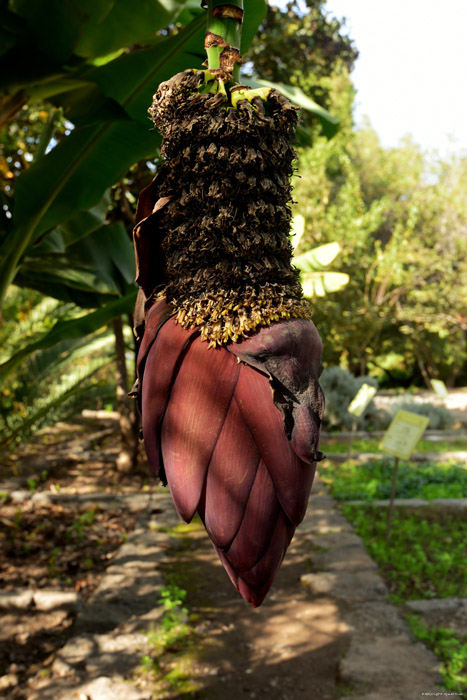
column 411, row 75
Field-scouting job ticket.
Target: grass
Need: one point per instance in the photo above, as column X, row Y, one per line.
column 169, row 663
column 372, row 480
column 426, row 557
column 171, row 666
column 371, row 445
column 450, row 649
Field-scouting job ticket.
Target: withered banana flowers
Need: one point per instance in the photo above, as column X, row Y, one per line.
column 229, row 359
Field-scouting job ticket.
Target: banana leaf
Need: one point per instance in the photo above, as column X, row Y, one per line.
column 71, row 328
column 317, row 258
column 329, row 123
column 321, row 283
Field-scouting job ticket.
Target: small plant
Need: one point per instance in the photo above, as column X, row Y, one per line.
column 450, row 649
column 172, row 628
column 52, row 565
column 3, row 497
column 440, row 417
column 340, row 387
column 149, row 664
column 426, row 555
column 372, row 480
column 18, row 520
column 172, row 598
column 32, row 484
column 80, row 523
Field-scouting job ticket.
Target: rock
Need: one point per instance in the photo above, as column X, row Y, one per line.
column 358, row 586
column 104, row 688
column 16, row 600
column 414, row 503
column 9, row 680
column 394, row 664
column 77, row 650
column 450, row 503
column 62, row 669
column 133, row 502
column 322, row 521
column 47, row 599
column 437, row 605
column 346, row 558
column 116, row 654
column 377, row 618
column 20, row 496
column 335, row 539
column 442, row 612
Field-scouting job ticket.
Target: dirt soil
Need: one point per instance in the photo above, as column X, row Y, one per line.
column 285, row 650
column 51, row 546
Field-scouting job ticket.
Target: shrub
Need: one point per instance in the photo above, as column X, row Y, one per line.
column 340, row 387
column 439, row 416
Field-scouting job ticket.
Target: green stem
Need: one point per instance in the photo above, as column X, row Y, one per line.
column 223, row 36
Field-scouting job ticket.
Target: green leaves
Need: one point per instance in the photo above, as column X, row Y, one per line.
column 255, row 12
column 75, row 174
column 316, row 281
column 125, row 24
column 47, row 37
column 317, row 258
column 318, row 284
column 97, row 266
column 71, row 328
column 329, row 123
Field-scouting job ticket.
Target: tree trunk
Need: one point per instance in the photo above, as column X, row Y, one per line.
column 127, row 460
column 423, row 370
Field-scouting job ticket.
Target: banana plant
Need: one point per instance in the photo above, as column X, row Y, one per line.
column 316, row 281
column 58, row 240
column 221, row 320
column 57, row 376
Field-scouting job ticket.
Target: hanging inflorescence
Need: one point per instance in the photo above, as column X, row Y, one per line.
column 226, row 173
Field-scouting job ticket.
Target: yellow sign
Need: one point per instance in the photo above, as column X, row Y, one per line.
column 439, row 387
column 361, row 399
column 403, row 434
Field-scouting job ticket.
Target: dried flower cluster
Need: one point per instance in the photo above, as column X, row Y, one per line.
column 232, row 424
column 225, row 226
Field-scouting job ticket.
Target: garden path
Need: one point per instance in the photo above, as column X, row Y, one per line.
column 326, row 630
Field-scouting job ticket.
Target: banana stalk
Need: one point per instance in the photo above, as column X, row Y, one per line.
column 229, row 358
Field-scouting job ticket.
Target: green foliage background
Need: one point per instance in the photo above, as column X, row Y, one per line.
column 77, row 147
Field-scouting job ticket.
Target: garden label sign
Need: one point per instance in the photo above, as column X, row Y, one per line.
column 361, row 400
column 439, row 387
column 402, row 436
column 400, row 440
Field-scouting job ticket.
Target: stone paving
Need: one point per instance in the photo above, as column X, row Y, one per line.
column 459, row 456
column 108, row 641
column 382, row 662
column 382, row 657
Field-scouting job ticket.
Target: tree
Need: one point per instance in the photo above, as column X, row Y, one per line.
column 405, row 262
column 303, row 48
